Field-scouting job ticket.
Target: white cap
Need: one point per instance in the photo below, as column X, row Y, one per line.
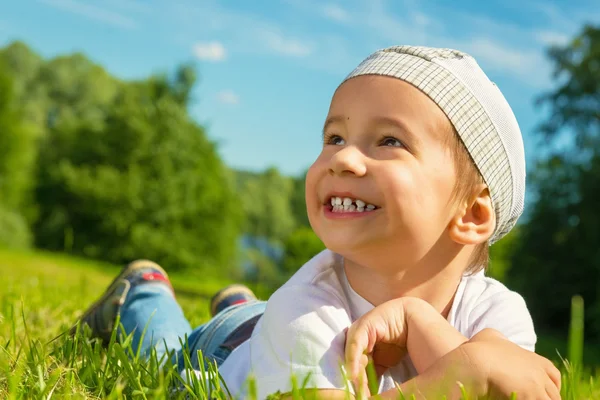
column 477, row 109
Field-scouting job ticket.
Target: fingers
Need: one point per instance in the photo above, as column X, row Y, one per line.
column 360, row 381
column 357, row 347
column 362, row 386
column 552, row 391
column 388, row 355
column 554, row 374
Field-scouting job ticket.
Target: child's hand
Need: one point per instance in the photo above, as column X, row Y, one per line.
column 487, row 366
column 488, row 362
column 380, row 336
column 509, row 368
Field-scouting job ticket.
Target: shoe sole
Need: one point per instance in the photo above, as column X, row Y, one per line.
column 129, row 269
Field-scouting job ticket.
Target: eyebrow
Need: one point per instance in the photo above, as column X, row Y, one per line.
column 332, row 120
column 411, row 141
column 380, row 120
column 393, row 122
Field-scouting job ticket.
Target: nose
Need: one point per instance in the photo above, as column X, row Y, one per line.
column 349, row 160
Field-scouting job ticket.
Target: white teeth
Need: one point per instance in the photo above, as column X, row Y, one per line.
column 347, row 204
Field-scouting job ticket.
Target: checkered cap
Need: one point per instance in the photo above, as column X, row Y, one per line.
column 477, row 109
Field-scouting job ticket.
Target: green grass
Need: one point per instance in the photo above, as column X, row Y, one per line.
column 41, row 294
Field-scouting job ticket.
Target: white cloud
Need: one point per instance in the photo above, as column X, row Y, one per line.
column 550, row 38
column 93, row 12
column 228, row 97
column 421, row 19
column 245, row 33
column 530, row 66
column 554, row 15
column 499, row 55
column 210, row 51
column 501, row 47
column 336, row 13
column 286, row 46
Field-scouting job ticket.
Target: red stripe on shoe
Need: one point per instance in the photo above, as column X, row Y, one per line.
column 155, row 276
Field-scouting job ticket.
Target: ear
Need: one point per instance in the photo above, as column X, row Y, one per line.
column 475, row 220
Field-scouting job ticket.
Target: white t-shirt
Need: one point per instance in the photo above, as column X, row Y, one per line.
column 302, row 331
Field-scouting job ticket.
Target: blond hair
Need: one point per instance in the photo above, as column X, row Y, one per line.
column 468, row 178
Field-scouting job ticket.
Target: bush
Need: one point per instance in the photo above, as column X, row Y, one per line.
column 14, row 231
column 300, row 247
column 145, row 182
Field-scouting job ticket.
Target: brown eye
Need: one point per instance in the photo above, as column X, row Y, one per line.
column 390, row 141
column 335, row 140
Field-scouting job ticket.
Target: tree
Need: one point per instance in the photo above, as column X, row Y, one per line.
column 23, row 65
column 143, row 181
column 64, row 88
column 300, row 247
column 17, row 160
column 558, row 253
column 265, row 199
column 298, row 200
column 501, row 253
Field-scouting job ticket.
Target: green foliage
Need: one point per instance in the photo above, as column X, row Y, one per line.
column 265, row 199
column 24, row 66
column 574, row 103
column 14, row 230
column 18, row 150
column 557, row 255
column 299, row 247
column 298, row 200
column 123, row 172
column 143, row 181
column 263, row 272
column 500, row 255
column 66, row 88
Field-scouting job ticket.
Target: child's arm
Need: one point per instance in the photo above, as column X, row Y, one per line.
column 407, row 322
column 487, row 364
column 413, row 324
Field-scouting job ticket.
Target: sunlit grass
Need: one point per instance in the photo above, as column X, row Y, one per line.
column 42, row 294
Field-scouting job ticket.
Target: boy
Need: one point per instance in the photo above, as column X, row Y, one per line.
column 422, row 168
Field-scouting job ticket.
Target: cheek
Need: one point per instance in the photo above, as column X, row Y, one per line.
column 402, row 189
column 312, row 182
column 415, row 194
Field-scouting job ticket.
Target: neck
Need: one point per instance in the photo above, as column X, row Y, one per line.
column 433, row 282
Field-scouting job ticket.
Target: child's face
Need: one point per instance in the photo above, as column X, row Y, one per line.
column 385, row 144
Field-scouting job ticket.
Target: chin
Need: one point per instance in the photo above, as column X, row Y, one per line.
column 344, row 245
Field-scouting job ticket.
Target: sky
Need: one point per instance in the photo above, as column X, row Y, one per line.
column 268, row 69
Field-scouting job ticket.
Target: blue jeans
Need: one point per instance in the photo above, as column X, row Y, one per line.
column 153, row 307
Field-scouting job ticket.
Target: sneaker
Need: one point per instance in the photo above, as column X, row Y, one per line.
column 101, row 315
column 229, row 296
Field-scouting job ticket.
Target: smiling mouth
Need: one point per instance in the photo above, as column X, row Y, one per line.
column 347, row 204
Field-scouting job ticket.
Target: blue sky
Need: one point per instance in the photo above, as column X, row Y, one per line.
column 268, row 68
